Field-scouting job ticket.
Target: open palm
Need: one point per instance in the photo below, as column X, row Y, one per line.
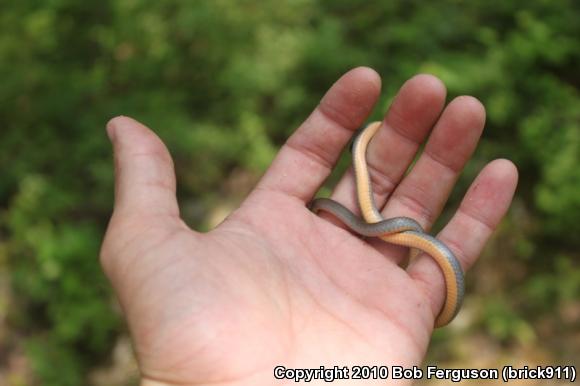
column 275, row 284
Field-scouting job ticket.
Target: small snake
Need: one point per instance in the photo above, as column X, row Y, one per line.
column 398, row 230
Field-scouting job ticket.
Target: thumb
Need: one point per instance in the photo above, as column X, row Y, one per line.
column 145, row 201
column 144, row 173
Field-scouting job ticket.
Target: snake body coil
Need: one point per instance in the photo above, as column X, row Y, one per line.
column 398, row 230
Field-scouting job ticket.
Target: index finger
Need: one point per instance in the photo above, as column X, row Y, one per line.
column 310, row 154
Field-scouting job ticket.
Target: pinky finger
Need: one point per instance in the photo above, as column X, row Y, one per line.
column 466, row 234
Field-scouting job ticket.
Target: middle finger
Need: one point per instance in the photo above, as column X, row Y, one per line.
column 424, row 191
column 411, row 116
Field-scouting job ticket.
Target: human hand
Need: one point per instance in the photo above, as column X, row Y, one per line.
column 275, row 284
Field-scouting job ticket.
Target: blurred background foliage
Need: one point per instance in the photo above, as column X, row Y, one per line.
column 224, row 83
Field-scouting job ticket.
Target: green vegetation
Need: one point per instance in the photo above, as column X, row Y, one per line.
column 224, row 83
